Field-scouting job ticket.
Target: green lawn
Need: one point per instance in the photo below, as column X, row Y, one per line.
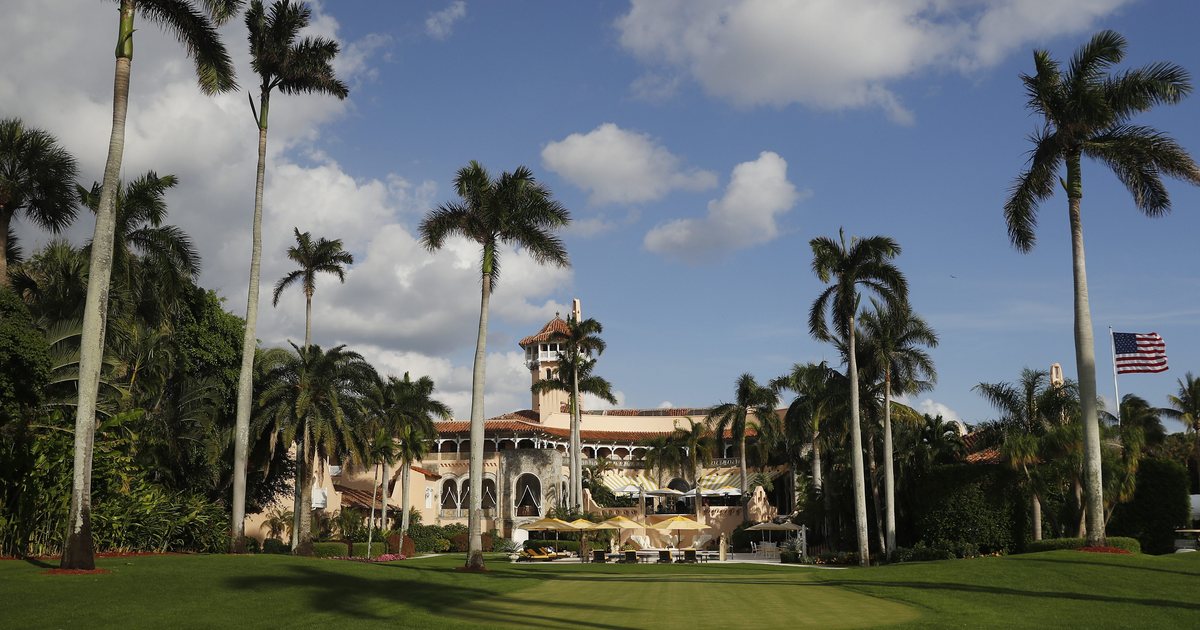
column 1058, row 589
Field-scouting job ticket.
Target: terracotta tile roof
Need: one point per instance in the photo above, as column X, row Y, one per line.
column 555, row 325
column 360, row 499
column 990, row 455
column 427, row 473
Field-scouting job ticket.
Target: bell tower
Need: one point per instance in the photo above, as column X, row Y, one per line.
column 541, row 357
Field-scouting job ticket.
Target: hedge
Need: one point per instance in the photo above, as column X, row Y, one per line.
column 377, row 549
column 274, row 545
column 459, row 542
column 330, row 549
column 984, row 505
column 1159, row 506
column 1055, row 544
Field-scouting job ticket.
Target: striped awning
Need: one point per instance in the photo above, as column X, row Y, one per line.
column 612, row 482
column 713, row 481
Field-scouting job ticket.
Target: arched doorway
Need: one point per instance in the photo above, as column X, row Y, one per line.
column 528, row 495
column 489, row 498
column 450, row 499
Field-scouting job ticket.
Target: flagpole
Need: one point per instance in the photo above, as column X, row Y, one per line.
column 1113, row 341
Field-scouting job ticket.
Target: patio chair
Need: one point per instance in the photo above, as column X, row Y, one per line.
column 664, row 556
column 631, row 557
column 533, row 555
column 689, row 555
column 599, row 555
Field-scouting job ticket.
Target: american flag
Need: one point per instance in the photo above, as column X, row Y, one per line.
column 1139, row 352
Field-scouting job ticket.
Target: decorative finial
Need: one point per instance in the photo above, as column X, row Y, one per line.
column 556, row 313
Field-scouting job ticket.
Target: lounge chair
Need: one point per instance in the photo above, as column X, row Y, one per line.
column 631, row 557
column 689, row 555
column 598, row 555
column 664, row 556
column 533, row 555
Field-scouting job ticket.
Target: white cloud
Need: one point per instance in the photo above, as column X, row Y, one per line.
column 934, row 409
column 666, row 404
column 837, row 54
column 621, row 166
column 655, row 88
column 400, row 306
column 758, row 191
column 441, row 24
column 591, row 402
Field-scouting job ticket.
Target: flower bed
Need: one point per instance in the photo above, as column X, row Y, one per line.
column 1104, row 550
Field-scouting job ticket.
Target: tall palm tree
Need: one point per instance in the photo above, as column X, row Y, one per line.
column 294, row 65
column 895, row 335
column 376, row 451
column 324, row 256
column 865, row 262
column 699, row 447
column 407, row 409
column 663, row 455
column 1185, row 407
column 1087, row 112
column 37, row 183
column 513, row 209
column 194, row 23
column 575, row 378
column 311, row 399
column 749, row 398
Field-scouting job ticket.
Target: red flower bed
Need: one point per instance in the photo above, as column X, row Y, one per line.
column 74, row 572
column 1104, row 550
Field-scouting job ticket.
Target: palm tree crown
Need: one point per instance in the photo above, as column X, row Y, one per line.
column 284, row 60
column 37, row 180
column 324, row 256
column 749, row 398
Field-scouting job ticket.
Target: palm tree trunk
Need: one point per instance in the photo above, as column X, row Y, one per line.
column 307, row 320
column 387, row 473
column 856, row 459
column 889, row 475
column 77, row 549
column 1036, row 516
column 576, row 459
column 305, row 546
column 818, row 481
column 5, row 221
column 475, row 517
column 404, row 502
column 298, row 495
column 745, row 479
column 873, row 474
column 371, row 522
column 1085, row 359
column 241, row 442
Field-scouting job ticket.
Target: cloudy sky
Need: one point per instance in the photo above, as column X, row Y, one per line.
column 700, row 144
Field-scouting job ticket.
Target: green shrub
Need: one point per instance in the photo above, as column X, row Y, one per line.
column 274, row 545
column 332, row 549
column 252, row 545
column 377, row 549
column 939, row 550
column 984, row 505
column 1160, row 505
column 789, row 557
column 1055, row 544
column 459, row 542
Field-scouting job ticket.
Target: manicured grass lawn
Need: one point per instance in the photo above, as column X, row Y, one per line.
column 1058, row 589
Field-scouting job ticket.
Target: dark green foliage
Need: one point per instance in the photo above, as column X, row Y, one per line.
column 1056, row 544
column 377, row 549
column 274, row 545
column 940, row 550
column 433, row 538
column 24, row 359
column 208, row 343
column 789, row 557
column 252, row 545
column 459, row 543
column 1160, row 505
column 984, row 505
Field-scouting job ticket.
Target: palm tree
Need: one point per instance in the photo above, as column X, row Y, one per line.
column 153, row 265
column 323, row 257
column 815, row 399
column 1087, row 112
column 575, row 377
column 310, row 399
column 894, row 335
column 867, row 262
column 663, row 455
column 1185, row 407
column 295, row 66
column 513, row 210
column 376, row 451
column 37, row 182
column 195, row 27
column 407, row 409
column 698, row 447
column 749, row 398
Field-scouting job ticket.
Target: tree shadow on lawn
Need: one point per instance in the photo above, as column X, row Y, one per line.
column 359, row 595
column 859, row 585
column 1195, row 574
column 544, row 573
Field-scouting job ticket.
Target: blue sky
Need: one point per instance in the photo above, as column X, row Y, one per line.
column 699, row 146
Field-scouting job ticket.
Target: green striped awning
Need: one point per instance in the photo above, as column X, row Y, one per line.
column 717, row 480
column 613, row 482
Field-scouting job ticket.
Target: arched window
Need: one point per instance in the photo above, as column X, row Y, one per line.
column 679, row 484
column 449, row 496
column 525, row 444
column 529, row 495
column 489, row 495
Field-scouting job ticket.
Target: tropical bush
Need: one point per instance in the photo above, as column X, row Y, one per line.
column 986, row 505
column 331, row 549
column 939, row 550
column 1160, row 505
column 377, row 549
column 274, row 545
column 459, row 542
column 1054, row 544
column 434, row 538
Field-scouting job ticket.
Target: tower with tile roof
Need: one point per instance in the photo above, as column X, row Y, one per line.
column 541, row 357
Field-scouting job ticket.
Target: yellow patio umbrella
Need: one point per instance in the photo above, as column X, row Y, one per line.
column 583, row 523
column 680, row 524
column 548, row 524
